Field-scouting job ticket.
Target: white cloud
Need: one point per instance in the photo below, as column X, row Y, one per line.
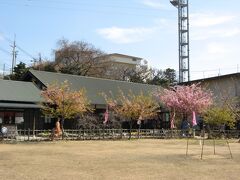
column 156, row 4
column 217, row 48
column 204, row 34
column 204, row 26
column 126, row 35
column 209, row 19
column 162, row 22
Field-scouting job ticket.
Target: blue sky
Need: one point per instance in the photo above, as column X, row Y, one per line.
column 144, row 28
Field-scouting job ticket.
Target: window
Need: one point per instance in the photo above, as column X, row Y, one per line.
column 47, row 119
column 19, row 118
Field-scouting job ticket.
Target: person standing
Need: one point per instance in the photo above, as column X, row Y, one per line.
column 58, row 131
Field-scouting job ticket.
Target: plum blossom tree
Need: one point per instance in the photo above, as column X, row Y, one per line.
column 184, row 100
column 60, row 101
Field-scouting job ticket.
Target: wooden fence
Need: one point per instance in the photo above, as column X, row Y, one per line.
column 113, row 134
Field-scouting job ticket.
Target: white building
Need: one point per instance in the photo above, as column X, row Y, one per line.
column 123, row 59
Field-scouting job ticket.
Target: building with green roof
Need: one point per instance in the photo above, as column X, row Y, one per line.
column 93, row 86
column 19, row 104
column 24, row 96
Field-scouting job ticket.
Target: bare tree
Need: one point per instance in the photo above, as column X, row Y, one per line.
column 123, row 72
column 46, row 65
column 80, row 58
column 88, row 121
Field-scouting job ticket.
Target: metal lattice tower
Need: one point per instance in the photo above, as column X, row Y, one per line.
column 183, row 38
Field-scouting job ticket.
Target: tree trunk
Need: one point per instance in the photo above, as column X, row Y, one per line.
column 130, row 129
column 62, row 123
column 103, row 131
column 139, row 127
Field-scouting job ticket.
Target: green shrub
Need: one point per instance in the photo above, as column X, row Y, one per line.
column 217, row 116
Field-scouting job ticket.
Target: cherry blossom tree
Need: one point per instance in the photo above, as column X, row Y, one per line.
column 184, row 100
column 133, row 107
column 61, row 101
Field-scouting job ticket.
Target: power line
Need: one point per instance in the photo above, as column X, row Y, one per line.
column 87, row 10
column 5, row 51
column 18, row 47
column 96, row 4
column 25, row 52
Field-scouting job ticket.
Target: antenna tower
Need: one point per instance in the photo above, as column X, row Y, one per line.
column 183, row 39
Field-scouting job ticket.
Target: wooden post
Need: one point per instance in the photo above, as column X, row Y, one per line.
column 24, row 134
column 228, row 145
column 62, row 122
column 34, row 123
column 214, row 146
column 229, row 149
column 139, row 126
column 121, row 131
column 187, row 146
column 78, row 134
column 83, row 134
column 90, row 133
column 104, row 131
column 202, row 143
column 28, row 134
column 99, row 135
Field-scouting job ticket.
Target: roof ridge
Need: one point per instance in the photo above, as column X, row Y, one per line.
column 89, row 77
column 119, row 54
column 214, row 77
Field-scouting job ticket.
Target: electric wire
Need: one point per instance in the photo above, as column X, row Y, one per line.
column 87, row 10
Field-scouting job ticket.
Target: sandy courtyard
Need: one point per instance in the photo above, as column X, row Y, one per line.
column 135, row 159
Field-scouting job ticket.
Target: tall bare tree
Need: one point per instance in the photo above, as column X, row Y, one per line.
column 80, row 58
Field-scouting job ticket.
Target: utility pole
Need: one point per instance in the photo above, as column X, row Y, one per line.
column 14, row 54
column 3, row 70
column 40, row 57
column 39, row 61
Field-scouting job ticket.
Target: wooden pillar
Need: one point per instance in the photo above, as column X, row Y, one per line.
column 34, row 122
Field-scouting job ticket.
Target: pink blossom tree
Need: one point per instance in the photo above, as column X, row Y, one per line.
column 184, row 100
column 61, row 101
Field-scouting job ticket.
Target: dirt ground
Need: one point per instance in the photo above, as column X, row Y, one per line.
column 135, row 159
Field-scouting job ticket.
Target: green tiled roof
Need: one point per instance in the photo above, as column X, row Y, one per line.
column 93, row 86
column 19, row 91
column 20, row 105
